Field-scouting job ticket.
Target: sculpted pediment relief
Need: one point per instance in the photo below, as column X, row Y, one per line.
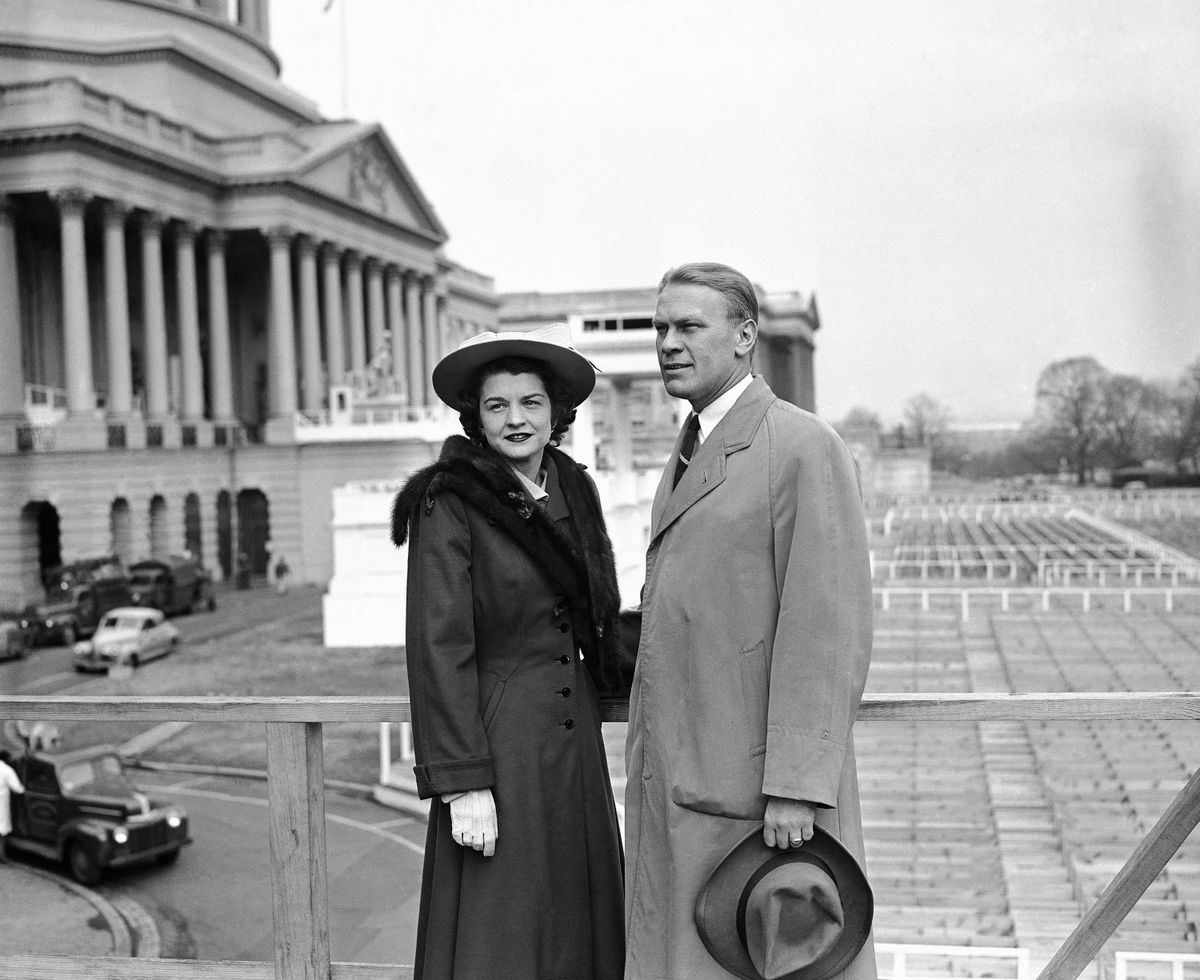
column 367, row 174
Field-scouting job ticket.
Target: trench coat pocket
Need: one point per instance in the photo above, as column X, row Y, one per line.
column 722, row 738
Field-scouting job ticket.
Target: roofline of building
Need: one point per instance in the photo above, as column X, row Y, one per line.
column 273, row 94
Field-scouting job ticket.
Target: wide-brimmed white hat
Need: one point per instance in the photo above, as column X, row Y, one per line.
column 550, row 344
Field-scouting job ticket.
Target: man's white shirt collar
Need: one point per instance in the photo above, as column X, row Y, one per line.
column 712, row 414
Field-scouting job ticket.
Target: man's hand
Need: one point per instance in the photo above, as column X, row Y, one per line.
column 787, row 823
column 473, row 821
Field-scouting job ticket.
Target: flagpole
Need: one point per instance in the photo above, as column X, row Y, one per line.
column 345, row 62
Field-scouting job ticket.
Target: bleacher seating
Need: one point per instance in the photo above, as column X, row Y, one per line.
column 1004, row 834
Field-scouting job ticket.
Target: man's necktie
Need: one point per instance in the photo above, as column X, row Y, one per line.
column 691, row 436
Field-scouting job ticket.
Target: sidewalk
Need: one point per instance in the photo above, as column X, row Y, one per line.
column 45, row 914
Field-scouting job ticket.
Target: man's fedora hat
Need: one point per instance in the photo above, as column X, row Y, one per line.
column 551, row 344
column 799, row 914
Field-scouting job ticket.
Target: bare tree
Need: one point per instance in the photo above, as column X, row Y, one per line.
column 1069, row 411
column 927, row 419
column 860, row 418
column 1125, row 418
column 1175, row 419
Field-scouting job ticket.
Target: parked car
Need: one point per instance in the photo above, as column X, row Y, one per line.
column 12, row 637
column 128, row 636
column 77, row 596
column 1150, row 473
column 82, row 808
column 174, row 584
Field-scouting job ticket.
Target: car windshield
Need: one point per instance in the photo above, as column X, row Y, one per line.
column 122, row 622
column 144, row 578
column 102, row 775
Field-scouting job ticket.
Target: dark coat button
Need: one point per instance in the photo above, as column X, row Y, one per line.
column 564, row 627
column 569, row 723
column 564, row 659
column 565, row 692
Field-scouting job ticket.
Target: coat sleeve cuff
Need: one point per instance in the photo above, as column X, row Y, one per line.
column 436, row 778
column 803, row 765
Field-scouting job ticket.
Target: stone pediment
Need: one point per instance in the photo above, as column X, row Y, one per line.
column 367, row 171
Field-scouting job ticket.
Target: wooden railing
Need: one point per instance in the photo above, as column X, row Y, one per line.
column 296, row 798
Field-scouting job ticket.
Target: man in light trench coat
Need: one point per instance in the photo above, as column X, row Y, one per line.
column 756, row 631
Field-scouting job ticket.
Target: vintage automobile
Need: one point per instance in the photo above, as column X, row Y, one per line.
column 77, row 597
column 12, row 637
column 126, row 637
column 1150, row 473
column 173, row 583
column 81, row 808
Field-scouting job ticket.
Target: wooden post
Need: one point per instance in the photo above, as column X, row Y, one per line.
column 299, row 888
column 1130, row 883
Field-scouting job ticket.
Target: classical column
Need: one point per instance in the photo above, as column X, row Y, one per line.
column 354, row 309
column 395, row 319
column 335, row 335
column 310, row 328
column 281, row 372
column 220, row 352
column 116, row 307
column 191, row 402
column 415, row 357
column 12, row 377
column 154, row 317
column 429, row 331
column 81, row 392
column 375, row 320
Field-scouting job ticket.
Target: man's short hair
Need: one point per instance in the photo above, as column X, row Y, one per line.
column 741, row 300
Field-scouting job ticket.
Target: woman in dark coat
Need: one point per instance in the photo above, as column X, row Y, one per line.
column 512, row 631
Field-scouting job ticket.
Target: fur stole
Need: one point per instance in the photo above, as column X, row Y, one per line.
column 580, row 564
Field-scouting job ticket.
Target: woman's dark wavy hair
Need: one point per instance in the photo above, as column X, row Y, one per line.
column 562, row 399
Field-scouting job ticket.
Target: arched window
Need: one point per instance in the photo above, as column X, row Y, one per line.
column 120, row 529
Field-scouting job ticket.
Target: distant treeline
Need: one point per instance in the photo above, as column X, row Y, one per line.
column 1086, row 418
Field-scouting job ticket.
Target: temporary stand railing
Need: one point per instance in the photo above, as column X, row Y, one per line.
column 296, row 797
column 1163, row 596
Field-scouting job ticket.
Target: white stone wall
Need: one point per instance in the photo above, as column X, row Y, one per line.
column 365, row 604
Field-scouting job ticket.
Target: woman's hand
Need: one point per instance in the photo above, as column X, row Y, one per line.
column 473, row 821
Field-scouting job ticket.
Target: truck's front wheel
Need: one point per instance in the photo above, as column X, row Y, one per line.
column 84, row 868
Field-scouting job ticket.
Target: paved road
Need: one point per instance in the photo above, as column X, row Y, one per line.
column 215, row 903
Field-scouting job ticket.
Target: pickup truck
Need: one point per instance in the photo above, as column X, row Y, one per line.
column 173, row 583
column 77, row 596
column 82, row 809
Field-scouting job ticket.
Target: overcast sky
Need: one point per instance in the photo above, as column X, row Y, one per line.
column 972, row 190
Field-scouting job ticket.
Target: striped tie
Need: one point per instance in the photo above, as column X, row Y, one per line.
column 691, row 435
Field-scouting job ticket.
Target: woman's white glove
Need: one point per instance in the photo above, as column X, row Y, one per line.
column 473, row 821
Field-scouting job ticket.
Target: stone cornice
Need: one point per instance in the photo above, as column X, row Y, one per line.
column 187, row 56
column 219, row 186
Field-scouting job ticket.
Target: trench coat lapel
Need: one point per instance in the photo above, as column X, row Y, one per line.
column 707, row 469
